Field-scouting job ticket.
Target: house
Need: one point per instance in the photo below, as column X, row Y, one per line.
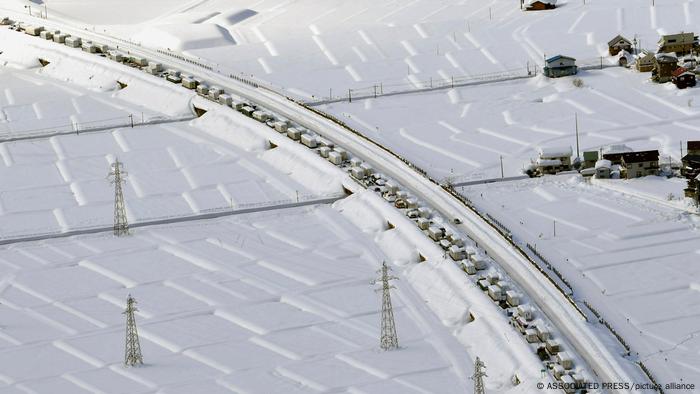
column 693, row 147
column 553, row 160
column 589, row 159
column 690, row 169
column 644, row 61
column 683, row 78
column 639, row 164
column 614, row 153
column 539, row 5
column 681, row 43
column 664, row 66
column 560, row 66
column 603, row 168
column 618, row 44
column 5, row 21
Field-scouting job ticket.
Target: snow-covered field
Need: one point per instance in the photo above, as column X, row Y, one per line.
column 629, row 256
column 632, row 259
column 265, row 303
column 462, row 133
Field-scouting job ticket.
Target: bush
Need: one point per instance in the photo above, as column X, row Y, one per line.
column 578, row 82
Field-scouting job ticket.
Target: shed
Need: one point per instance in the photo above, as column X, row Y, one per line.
column 186, row 82
column 531, row 336
column 589, row 158
column 139, row 61
column 173, row 78
column 355, row 162
column 560, row 66
column 114, row 55
column 618, row 44
column 324, row 151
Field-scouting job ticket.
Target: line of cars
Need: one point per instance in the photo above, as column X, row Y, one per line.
column 465, row 253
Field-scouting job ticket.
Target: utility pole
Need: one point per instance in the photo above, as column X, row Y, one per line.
column 131, row 120
column 349, row 95
column 577, row 148
column 478, row 376
column 501, row 157
column 132, row 354
column 388, row 339
column 554, row 224
column 121, row 226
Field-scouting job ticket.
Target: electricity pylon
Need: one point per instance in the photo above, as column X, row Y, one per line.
column 116, row 177
column 132, row 354
column 388, row 339
column 478, row 376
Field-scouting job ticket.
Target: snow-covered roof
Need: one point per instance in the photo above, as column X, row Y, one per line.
column 530, row 2
column 603, row 163
column 555, row 151
column 617, row 148
column 548, row 162
column 557, row 57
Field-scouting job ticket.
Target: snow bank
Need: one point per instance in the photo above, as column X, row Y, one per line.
column 181, row 37
column 305, row 167
column 228, row 126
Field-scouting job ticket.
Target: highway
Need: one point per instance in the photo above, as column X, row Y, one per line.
column 570, row 323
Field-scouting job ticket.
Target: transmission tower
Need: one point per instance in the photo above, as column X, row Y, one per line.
column 132, row 354
column 388, row 339
column 116, row 177
column 478, row 376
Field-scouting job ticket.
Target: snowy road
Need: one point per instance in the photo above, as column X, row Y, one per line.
column 605, row 364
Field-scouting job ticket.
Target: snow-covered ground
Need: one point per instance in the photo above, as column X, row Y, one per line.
column 462, row 133
column 632, row 259
column 265, row 303
column 321, row 48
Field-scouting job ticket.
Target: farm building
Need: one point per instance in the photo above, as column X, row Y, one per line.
column 639, row 164
column 539, row 5
column 681, row 43
column 560, row 66
column 614, row 152
column 664, row 66
column 618, row 44
column 644, row 61
column 683, row 78
column 693, row 147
